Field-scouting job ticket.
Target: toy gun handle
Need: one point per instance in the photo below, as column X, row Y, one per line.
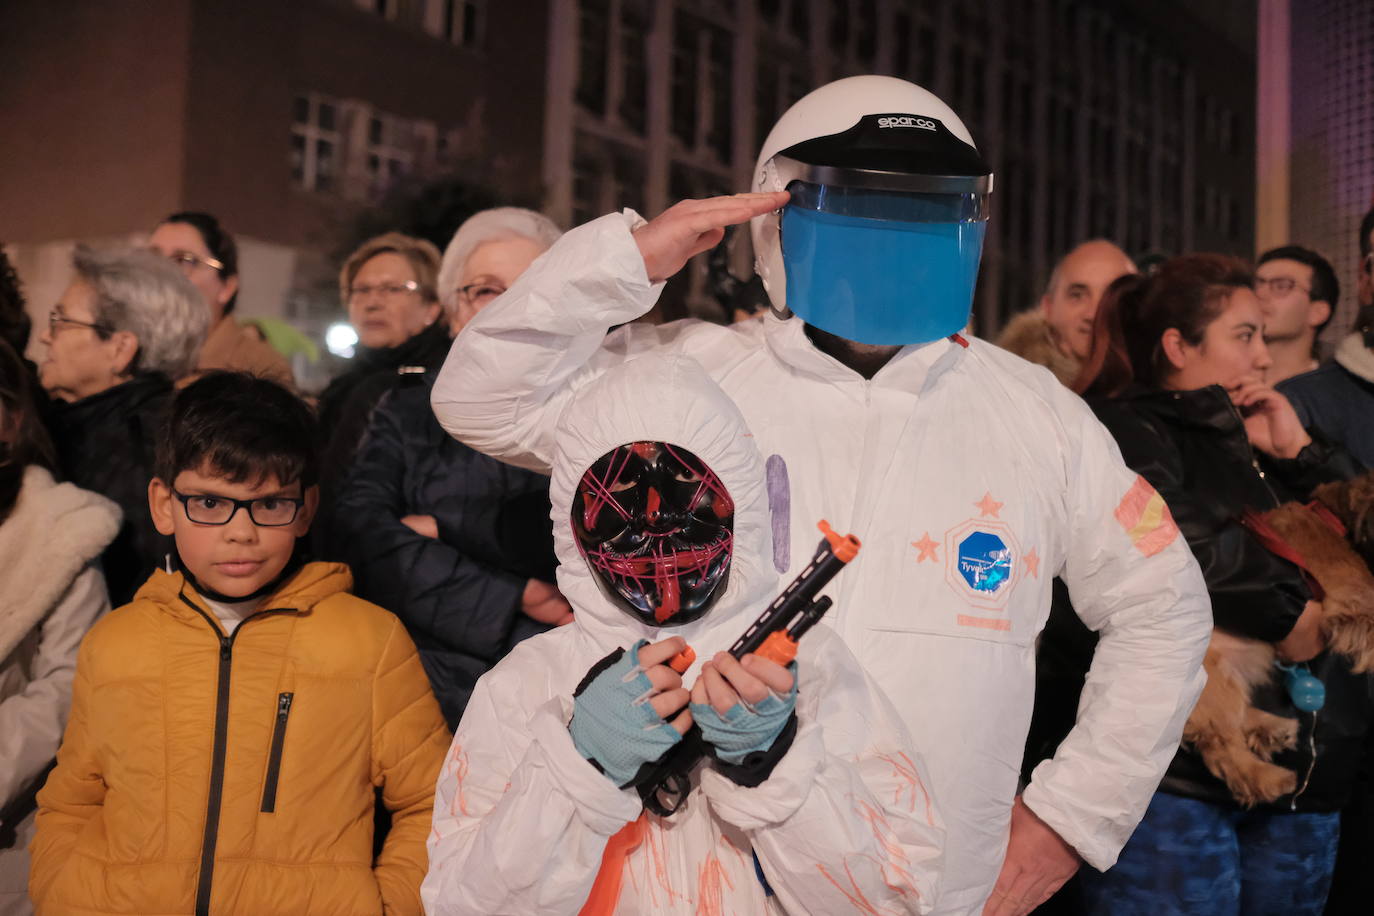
column 664, row 785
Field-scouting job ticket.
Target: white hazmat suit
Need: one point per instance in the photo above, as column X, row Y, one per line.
column 973, row 479
column 521, row 819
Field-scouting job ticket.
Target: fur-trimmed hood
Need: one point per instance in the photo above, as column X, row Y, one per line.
column 52, row 532
column 1355, row 357
column 1030, row 337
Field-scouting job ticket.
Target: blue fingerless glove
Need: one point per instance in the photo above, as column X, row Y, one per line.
column 744, row 730
column 614, row 725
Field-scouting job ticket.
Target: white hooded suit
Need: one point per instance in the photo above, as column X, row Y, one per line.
column 521, row 819
column 973, row 479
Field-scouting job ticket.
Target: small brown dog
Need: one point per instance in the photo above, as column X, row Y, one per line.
column 1236, row 740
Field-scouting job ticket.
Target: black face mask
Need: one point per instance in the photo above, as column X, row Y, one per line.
column 655, row 525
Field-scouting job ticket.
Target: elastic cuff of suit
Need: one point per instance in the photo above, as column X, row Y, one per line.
column 757, row 766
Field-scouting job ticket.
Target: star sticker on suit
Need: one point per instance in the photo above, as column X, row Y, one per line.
column 927, row 549
column 989, row 507
column 1032, row 561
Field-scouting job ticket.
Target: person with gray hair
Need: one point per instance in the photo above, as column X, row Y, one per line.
column 487, row 252
column 456, row 544
column 127, row 325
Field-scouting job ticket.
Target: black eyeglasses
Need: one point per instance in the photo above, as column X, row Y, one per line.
column 478, row 294
column 265, row 511
column 56, row 319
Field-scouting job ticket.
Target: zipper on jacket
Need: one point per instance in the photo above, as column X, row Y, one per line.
column 1254, row 460
column 269, row 785
column 1275, row 501
column 215, row 798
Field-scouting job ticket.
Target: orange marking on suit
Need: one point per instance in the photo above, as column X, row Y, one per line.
column 904, row 768
column 712, row 879
column 458, row 769
column 1146, row 519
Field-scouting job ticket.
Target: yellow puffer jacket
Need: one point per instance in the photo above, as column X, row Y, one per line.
column 209, row 774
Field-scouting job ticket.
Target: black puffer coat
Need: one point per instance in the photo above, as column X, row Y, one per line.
column 347, row 404
column 1192, row 447
column 459, row 596
column 105, row 443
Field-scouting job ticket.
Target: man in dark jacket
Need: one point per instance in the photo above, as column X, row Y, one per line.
column 1338, row 398
column 456, row 544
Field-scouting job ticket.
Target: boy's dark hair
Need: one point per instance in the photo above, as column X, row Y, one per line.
column 1325, row 287
column 239, row 426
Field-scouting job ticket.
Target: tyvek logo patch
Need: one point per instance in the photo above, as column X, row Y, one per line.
column 985, row 562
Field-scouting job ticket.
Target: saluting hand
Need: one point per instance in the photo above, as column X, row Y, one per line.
column 690, row 227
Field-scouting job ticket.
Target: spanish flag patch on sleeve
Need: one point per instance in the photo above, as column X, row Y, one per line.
column 1146, row 519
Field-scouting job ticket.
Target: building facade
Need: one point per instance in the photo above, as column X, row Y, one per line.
column 1316, row 134
column 286, row 120
column 1129, row 120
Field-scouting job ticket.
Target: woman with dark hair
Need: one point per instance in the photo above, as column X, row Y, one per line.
column 51, row 537
column 207, row 254
column 1177, row 373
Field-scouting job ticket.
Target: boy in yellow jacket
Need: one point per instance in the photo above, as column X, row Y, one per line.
column 230, row 727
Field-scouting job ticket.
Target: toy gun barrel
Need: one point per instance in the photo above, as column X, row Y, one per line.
column 800, row 596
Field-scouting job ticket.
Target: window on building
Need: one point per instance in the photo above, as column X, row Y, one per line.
column 866, row 31
column 686, row 79
column 314, row 142
column 634, row 55
column 586, row 189
column 592, row 35
column 800, row 20
column 766, row 110
column 720, row 134
column 955, row 75
column 925, row 55
column 463, row 21
column 390, row 152
column 839, row 27
column 901, row 44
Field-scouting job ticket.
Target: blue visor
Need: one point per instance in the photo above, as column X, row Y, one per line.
column 881, row 267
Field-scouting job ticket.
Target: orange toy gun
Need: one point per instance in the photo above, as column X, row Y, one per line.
column 664, row 785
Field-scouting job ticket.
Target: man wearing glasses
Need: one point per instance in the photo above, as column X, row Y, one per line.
column 1298, row 291
column 1338, row 398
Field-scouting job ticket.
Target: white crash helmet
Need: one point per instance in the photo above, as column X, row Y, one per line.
column 867, row 138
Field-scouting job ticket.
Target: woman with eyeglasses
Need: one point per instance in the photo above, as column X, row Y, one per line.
column 207, row 254
column 456, row 544
column 51, row 538
column 1177, row 373
column 389, row 287
column 127, row 325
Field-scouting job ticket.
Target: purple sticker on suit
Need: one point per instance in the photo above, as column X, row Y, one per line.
column 780, row 507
